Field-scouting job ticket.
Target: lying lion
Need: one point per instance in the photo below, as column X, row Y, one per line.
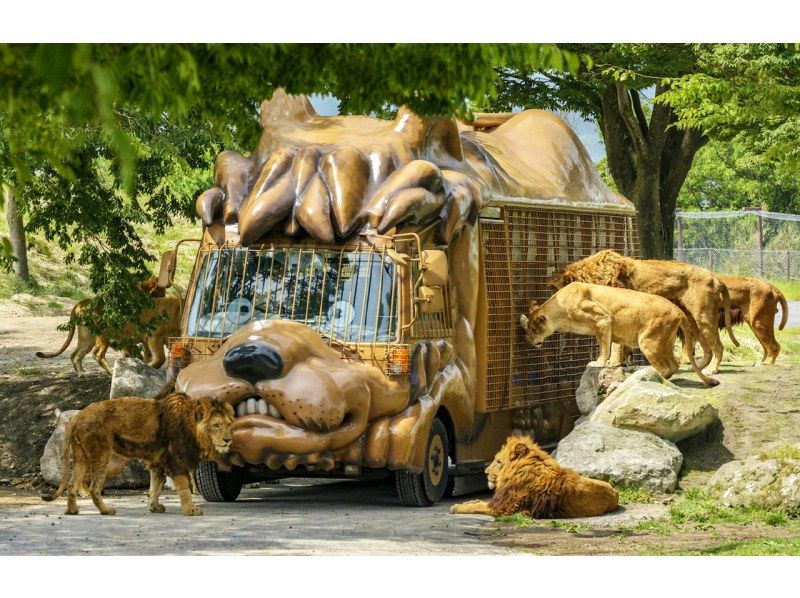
column 167, row 309
column 170, row 435
column 695, row 290
column 756, row 302
column 628, row 318
column 527, row 480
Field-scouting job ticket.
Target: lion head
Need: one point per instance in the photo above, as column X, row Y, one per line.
column 537, row 326
column 214, row 426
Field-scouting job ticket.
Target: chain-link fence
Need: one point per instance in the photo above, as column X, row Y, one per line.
column 747, row 243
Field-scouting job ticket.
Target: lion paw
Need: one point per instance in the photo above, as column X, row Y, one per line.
column 157, row 508
column 192, row 511
column 109, row 511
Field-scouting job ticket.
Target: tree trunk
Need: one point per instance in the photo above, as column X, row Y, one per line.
column 649, row 161
column 16, row 234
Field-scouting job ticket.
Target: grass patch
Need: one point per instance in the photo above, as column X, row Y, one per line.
column 789, row 288
column 517, row 520
column 628, row 495
column 750, row 349
column 755, row 547
column 20, row 370
column 781, row 454
column 567, row 526
column 695, row 506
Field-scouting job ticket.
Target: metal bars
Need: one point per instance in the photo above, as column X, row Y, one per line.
column 521, row 250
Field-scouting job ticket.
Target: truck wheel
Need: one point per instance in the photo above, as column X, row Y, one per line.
column 426, row 488
column 216, row 485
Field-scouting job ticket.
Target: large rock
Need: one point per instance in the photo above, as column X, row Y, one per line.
column 596, row 384
column 622, row 457
column 133, row 378
column 771, row 483
column 649, row 403
column 134, row 475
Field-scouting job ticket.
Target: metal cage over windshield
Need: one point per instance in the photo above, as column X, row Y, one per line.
column 348, row 295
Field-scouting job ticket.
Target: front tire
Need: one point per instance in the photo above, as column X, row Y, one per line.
column 216, row 485
column 426, row 488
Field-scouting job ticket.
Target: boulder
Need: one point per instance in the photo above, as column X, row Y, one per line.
column 622, row 457
column 759, row 481
column 134, row 378
column 649, row 403
column 134, row 474
column 596, row 383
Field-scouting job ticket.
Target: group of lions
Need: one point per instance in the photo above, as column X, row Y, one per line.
column 634, row 303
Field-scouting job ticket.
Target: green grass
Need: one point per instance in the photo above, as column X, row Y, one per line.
column 789, row 288
column 789, row 452
column 754, row 547
column 628, row 495
column 517, row 520
column 698, row 508
column 749, row 349
column 568, row 526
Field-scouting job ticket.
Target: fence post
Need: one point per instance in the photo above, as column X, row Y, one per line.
column 710, row 259
column 680, row 238
column 760, row 245
column 788, row 265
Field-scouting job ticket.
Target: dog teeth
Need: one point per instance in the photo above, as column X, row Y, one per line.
column 252, row 406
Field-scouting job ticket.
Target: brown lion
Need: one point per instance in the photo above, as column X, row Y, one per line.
column 628, row 318
column 168, row 311
column 170, row 435
column 756, row 302
column 698, row 292
column 529, row 481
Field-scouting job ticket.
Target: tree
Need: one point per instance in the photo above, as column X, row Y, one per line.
column 94, row 137
column 748, row 94
column 648, row 157
column 727, row 175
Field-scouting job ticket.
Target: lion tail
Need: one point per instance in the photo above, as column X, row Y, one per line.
column 688, row 338
column 784, row 306
column 726, row 302
column 64, row 463
column 69, row 336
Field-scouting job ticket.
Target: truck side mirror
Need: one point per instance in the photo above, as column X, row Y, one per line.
column 434, row 268
column 166, row 272
column 431, row 299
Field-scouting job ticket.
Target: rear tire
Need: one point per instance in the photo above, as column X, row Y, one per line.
column 426, row 488
column 216, row 485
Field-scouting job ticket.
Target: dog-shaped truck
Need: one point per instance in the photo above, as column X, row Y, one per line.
column 357, row 291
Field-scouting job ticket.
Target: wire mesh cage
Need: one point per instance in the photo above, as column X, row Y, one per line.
column 521, row 250
column 744, row 243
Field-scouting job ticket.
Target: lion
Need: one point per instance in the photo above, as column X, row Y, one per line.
column 170, row 435
column 168, row 309
column 698, row 292
column 756, row 302
column 529, row 481
column 628, row 318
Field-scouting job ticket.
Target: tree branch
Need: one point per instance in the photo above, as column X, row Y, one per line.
column 637, row 109
column 626, row 114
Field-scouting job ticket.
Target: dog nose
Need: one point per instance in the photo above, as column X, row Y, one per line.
column 253, row 362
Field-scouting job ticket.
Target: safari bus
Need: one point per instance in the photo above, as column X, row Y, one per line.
column 357, row 290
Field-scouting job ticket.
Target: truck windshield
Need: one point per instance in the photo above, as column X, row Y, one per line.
column 350, row 296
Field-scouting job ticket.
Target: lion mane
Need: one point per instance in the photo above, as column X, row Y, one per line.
column 605, row 267
column 527, row 480
column 170, row 434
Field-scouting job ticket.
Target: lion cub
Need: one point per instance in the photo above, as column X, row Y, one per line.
column 623, row 316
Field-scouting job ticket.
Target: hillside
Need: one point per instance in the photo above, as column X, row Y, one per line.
column 57, row 283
